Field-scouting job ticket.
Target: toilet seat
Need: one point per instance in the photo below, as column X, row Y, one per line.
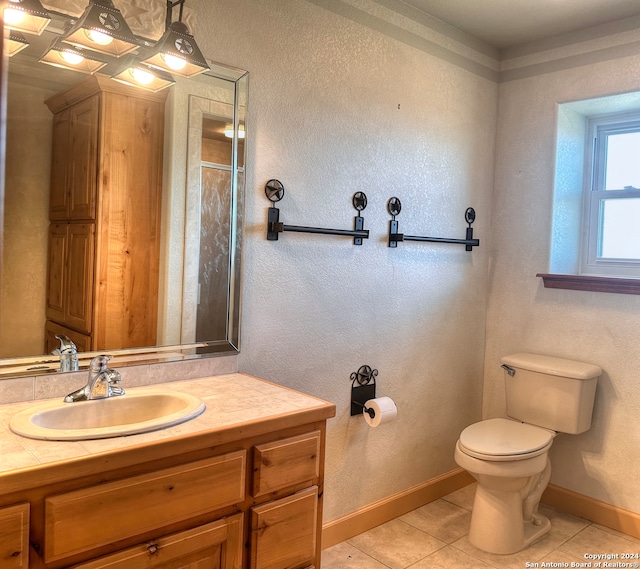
column 504, row 440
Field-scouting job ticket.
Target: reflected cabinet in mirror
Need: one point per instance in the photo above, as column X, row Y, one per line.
column 123, row 216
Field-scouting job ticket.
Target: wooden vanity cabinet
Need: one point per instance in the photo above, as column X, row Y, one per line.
column 252, row 503
column 14, row 537
column 105, row 194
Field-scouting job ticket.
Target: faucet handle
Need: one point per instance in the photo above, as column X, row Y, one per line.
column 66, row 345
column 99, row 363
column 113, row 376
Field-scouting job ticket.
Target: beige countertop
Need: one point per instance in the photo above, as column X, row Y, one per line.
column 237, row 405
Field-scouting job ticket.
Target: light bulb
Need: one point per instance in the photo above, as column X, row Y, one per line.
column 98, row 37
column 71, row 58
column 13, row 17
column 141, row 76
column 175, row 63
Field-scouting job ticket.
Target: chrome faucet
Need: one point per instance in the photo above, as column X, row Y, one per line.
column 101, row 384
column 68, row 353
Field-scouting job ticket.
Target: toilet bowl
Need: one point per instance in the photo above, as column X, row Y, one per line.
column 509, row 456
column 511, row 464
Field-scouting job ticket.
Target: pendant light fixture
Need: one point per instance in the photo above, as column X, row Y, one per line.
column 177, row 51
column 67, row 56
column 15, row 42
column 102, row 28
column 137, row 74
column 27, row 16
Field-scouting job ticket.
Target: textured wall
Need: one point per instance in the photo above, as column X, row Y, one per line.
column 24, row 262
column 336, row 108
column 600, row 328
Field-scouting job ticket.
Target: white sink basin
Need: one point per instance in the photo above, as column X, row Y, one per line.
column 104, row 418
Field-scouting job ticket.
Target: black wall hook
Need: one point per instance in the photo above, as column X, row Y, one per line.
column 394, row 206
column 274, row 190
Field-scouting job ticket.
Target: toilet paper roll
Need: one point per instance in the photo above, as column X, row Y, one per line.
column 384, row 409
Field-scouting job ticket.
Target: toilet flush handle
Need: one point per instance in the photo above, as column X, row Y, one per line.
column 511, row 371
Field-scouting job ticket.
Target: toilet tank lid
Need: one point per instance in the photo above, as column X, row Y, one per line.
column 552, row 366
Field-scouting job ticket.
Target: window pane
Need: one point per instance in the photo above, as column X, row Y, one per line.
column 623, row 161
column 619, row 233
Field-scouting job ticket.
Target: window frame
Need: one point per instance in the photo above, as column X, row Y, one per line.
column 598, row 129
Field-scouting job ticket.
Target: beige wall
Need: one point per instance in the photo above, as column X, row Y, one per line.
column 600, row 328
column 335, row 108
column 24, row 262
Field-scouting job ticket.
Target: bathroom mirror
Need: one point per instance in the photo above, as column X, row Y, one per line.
column 201, row 217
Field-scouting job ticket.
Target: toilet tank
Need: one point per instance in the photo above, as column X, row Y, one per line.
column 550, row 392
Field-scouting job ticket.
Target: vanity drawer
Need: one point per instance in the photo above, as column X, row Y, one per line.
column 218, row 544
column 85, row 519
column 284, row 532
column 286, row 462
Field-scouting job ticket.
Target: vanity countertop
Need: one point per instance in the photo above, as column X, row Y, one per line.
column 237, row 406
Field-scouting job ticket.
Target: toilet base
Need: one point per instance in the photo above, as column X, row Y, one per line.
column 497, row 524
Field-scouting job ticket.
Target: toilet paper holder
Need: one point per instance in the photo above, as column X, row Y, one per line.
column 363, row 388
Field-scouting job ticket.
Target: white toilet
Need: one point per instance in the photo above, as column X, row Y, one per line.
column 509, row 457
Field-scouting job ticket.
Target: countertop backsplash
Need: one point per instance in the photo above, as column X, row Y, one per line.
column 28, row 388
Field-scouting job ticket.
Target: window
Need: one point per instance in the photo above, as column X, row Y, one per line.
column 611, row 202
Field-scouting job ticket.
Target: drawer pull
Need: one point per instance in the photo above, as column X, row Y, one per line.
column 153, row 548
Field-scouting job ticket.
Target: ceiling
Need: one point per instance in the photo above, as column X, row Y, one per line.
column 508, row 23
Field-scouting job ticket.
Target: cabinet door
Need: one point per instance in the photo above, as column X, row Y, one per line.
column 74, row 173
column 217, row 545
column 56, row 272
column 82, row 173
column 14, row 537
column 60, row 153
column 79, row 276
column 283, row 532
column 70, row 275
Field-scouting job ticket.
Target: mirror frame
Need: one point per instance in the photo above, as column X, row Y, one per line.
column 28, row 365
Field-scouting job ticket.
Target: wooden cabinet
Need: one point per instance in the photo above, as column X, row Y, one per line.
column 105, row 194
column 14, row 537
column 252, row 503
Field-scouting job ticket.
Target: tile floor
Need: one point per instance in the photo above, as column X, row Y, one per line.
column 435, row 537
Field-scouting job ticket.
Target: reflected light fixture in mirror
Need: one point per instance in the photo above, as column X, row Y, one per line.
column 15, row 42
column 102, row 28
column 177, row 51
column 228, row 131
column 28, row 16
column 71, row 57
column 136, row 74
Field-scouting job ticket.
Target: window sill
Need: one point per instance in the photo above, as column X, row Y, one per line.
column 591, row 283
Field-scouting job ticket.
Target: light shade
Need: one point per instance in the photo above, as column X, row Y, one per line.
column 102, row 28
column 136, row 74
column 15, row 42
column 28, row 16
column 177, row 52
column 67, row 56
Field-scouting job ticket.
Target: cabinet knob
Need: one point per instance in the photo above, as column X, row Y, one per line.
column 153, row 548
